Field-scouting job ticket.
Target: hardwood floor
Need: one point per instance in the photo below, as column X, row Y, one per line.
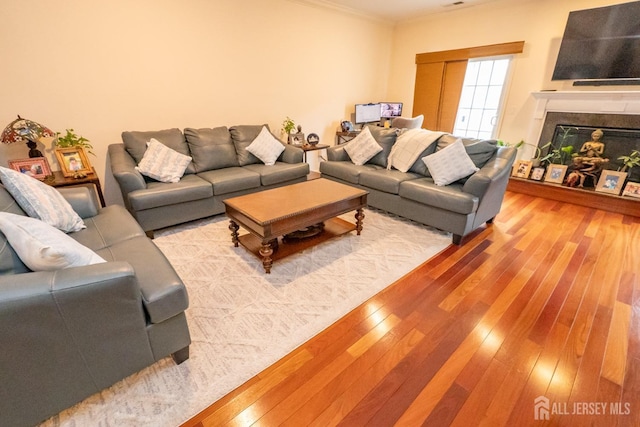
column 544, row 302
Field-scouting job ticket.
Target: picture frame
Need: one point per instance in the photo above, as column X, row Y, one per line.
column 296, row 138
column 555, row 173
column 632, row 189
column 611, row 182
column 36, row 167
column 537, row 174
column 522, row 168
column 73, row 161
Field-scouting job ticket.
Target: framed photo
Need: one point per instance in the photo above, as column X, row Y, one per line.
column 296, row 138
column 555, row 173
column 521, row 168
column 537, row 174
column 73, row 161
column 632, row 189
column 37, row 167
column 611, row 182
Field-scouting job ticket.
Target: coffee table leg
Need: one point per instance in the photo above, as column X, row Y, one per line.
column 359, row 218
column 266, row 251
column 234, row 232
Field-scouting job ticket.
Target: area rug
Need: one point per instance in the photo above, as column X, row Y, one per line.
column 243, row 320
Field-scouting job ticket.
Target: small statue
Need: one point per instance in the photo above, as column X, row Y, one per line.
column 589, row 162
column 593, row 148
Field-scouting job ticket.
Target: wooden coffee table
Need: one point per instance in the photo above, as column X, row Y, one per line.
column 271, row 214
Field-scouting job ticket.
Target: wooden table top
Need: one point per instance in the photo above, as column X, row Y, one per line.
column 269, row 206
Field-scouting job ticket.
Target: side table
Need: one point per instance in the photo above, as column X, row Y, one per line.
column 344, row 137
column 309, row 147
column 59, row 180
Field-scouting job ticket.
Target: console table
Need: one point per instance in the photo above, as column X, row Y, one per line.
column 59, row 180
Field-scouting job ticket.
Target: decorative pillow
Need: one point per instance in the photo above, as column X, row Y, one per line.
column 480, row 150
column 266, row 147
column 450, row 164
column 409, row 145
column 42, row 247
column 162, row 163
column 362, row 148
column 41, row 201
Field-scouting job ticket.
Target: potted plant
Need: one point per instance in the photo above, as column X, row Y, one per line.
column 629, row 161
column 538, row 152
column 70, row 139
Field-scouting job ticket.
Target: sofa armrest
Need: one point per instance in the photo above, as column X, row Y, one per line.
column 81, row 199
column 292, row 154
column 337, row 153
column 123, row 167
column 84, row 324
column 493, row 174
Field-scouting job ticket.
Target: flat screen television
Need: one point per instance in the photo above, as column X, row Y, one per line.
column 601, row 43
column 367, row 113
column 390, row 109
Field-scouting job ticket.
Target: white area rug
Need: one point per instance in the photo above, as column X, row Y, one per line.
column 243, row 320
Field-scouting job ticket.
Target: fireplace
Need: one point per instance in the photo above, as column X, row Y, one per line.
column 621, row 134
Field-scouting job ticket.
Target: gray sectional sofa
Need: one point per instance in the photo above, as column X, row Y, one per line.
column 221, row 168
column 459, row 208
column 71, row 332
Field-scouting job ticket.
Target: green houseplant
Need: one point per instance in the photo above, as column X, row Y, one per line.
column 288, row 125
column 629, row 161
column 70, row 139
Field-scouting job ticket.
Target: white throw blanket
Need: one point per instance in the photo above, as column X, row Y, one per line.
column 409, row 145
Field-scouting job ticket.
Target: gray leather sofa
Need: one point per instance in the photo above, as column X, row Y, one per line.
column 221, row 168
column 459, row 208
column 70, row 333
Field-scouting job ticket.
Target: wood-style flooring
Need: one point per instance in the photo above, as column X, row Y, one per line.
column 543, row 304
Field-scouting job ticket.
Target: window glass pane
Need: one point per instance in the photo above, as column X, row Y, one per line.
column 484, row 135
column 466, row 97
column 471, row 75
column 462, row 119
column 493, row 97
column 480, row 96
column 475, row 118
column 499, row 74
column 488, row 120
column 484, row 75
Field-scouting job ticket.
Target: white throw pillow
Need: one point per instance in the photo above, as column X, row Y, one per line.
column 363, row 147
column 450, row 164
column 42, row 247
column 41, row 201
column 266, row 147
column 409, row 145
column 162, row 163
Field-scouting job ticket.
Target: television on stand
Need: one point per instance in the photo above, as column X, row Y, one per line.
column 601, row 46
column 367, row 113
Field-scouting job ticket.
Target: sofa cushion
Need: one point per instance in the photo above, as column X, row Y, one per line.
column 345, row 171
column 409, row 146
column 230, row 180
column 386, row 138
column 42, row 247
column 479, row 150
column 211, row 148
column 157, row 194
column 41, row 201
column 450, row 164
column 385, row 180
column 266, row 147
column 162, row 163
column 135, row 142
column 449, row 198
column 113, row 225
column 242, row 136
column 280, row 172
column 362, row 148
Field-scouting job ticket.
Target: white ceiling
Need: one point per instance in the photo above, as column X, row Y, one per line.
column 398, row 10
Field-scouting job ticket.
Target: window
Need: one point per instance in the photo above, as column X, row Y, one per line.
column 480, row 100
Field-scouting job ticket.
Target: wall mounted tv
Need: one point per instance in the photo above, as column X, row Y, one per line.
column 367, row 113
column 601, row 43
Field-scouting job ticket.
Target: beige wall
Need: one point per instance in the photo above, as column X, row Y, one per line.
column 104, row 67
column 540, row 23
column 101, row 67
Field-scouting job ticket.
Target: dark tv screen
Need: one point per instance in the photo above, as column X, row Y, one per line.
column 601, row 43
